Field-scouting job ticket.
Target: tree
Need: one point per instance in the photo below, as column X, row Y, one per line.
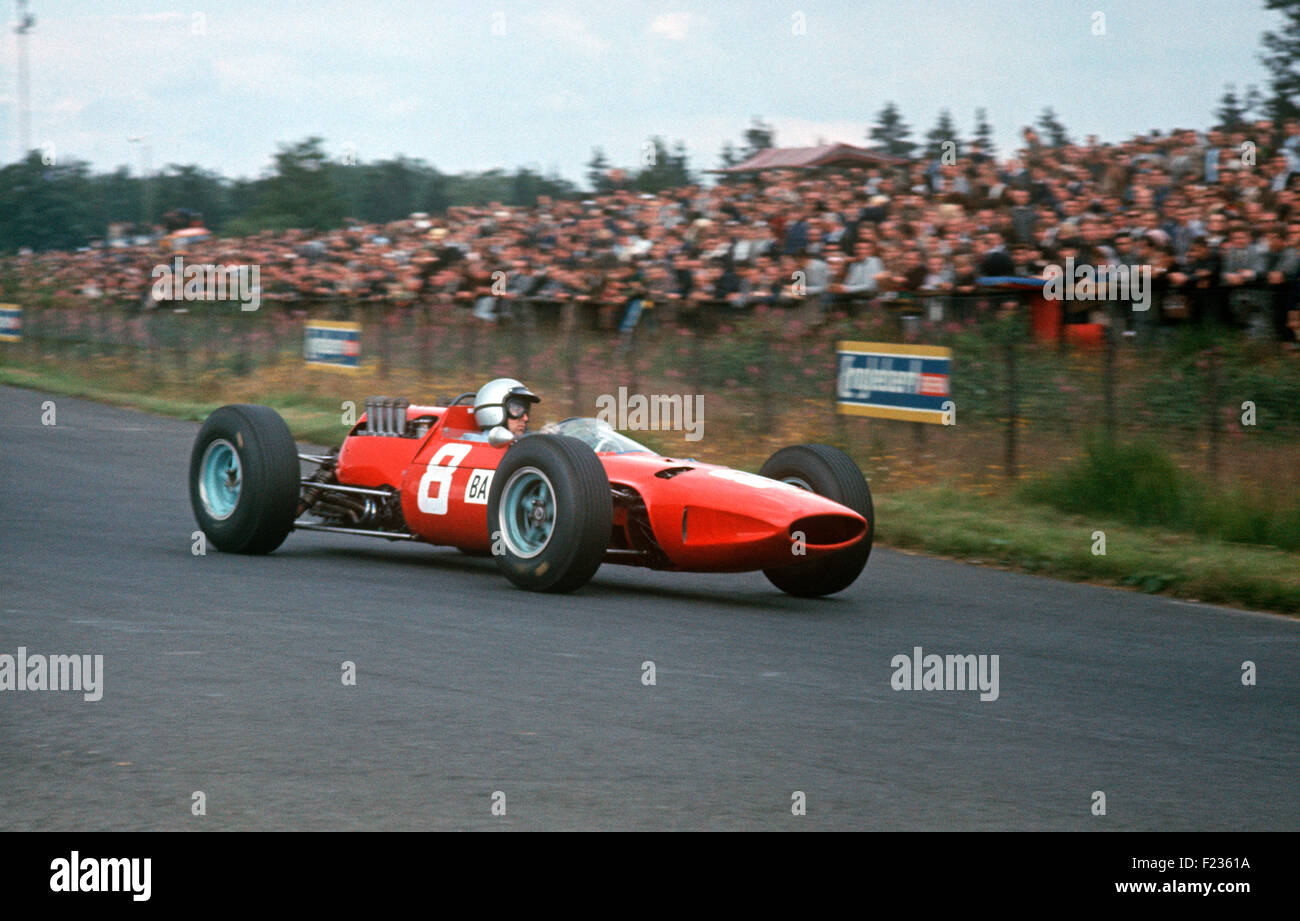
column 891, row 133
column 666, row 171
column 1230, row 109
column 598, row 171
column 758, row 136
column 47, row 206
column 302, row 192
column 1053, row 128
column 1253, row 103
column 681, row 166
column 984, row 132
column 195, row 189
column 1282, row 58
column 117, row 198
column 944, row 130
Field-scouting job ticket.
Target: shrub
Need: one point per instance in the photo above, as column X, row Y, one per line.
column 1138, row 482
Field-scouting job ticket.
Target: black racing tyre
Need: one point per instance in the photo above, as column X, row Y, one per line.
column 827, row 472
column 244, row 479
column 549, row 513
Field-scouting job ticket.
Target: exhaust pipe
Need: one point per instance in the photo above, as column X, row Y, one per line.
column 386, row 416
column 400, row 406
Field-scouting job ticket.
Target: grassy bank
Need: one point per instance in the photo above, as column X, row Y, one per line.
column 1034, row 538
column 1139, row 483
column 1043, row 527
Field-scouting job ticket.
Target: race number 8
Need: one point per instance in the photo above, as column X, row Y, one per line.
column 438, row 476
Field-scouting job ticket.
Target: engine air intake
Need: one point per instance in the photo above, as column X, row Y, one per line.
column 827, row 530
column 386, row 416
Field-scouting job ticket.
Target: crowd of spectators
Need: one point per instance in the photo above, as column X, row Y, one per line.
column 1215, row 215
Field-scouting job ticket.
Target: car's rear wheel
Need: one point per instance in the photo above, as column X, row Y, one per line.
column 244, row 479
column 549, row 513
column 827, row 472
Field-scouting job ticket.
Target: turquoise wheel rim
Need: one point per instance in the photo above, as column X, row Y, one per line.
column 527, row 512
column 221, row 478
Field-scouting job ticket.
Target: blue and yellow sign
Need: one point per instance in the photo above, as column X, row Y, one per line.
column 892, row 381
column 11, row 323
column 332, row 344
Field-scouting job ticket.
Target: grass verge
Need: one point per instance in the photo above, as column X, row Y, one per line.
column 1033, row 538
column 1138, row 482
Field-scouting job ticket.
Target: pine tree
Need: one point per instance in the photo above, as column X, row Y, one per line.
column 681, row 164
column 1253, row 103
column 1282, row 58
column 1053, row 128
column 1230, row 110
column 984, row 132
column 891, row 133
column 598, row 171
column 944, row 130
column 759, row 136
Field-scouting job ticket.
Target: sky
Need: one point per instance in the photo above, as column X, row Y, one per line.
column 477, row 85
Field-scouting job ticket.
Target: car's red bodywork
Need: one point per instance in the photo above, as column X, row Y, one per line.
column 701, row 517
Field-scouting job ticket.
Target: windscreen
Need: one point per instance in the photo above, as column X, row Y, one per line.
column 598, row 435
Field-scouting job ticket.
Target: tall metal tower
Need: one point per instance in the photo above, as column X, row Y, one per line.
column 25, row 23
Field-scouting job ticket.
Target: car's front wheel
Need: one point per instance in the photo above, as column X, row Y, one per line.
column 549, row 513
column 244, row 479
column 827, row 472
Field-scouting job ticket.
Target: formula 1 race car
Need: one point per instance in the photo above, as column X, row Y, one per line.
column 549, row 506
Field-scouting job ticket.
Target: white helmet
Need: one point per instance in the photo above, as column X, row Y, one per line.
column 490, row 402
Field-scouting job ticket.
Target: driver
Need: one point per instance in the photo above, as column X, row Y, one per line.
column 504, row 401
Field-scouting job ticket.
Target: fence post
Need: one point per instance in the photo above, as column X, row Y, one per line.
column 471, row 346
column 697, row 360
column 381, row 319
column 1108, row 381
column 765, row 380
column 243, row 361
column 572, row 363
column 1212, row 409
column 838, row 420
column 1013, row 407
column 629, row 354
column 423, row 317
column 154, row 344
column 520, row 334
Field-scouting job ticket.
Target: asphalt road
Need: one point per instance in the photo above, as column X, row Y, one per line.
column 222, row 674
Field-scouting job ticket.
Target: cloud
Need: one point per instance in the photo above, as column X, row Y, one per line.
column 565, row 28
column 402, row 107
column 674, row 26
column 166, row 16
column 68, row 105
column 563, row 101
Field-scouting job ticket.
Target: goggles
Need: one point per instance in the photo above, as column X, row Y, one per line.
column 515, row 407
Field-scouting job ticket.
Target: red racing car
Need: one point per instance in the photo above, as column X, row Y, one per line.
column 550, row 506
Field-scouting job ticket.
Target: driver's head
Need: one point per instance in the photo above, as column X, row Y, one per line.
column 504, row 401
